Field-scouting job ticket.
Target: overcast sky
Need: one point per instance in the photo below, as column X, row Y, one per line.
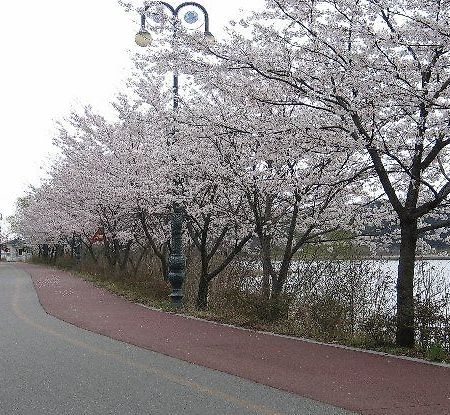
column 57, row 55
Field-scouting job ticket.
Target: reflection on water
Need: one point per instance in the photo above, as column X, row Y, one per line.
column 438, row 266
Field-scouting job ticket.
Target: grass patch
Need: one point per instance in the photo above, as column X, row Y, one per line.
column 143, row 292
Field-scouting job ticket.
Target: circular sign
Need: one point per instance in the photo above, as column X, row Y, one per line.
column 191, row 17
column 157, row 17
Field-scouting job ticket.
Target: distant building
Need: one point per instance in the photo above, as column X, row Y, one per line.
column 14, row 251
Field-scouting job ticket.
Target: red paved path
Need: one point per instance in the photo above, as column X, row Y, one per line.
column 362, row 382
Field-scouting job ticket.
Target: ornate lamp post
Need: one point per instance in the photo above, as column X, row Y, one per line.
column 176, row 274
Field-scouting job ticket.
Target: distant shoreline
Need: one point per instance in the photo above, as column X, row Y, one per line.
column 396, row 257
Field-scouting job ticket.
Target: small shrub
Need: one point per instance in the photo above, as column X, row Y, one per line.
column 328, row 314
column 272, row 309
column 379, row 329
column 436, row 353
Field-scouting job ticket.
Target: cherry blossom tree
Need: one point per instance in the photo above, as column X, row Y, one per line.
column 377, row 71
column 128, row 158
column 97, row 183
column 269, row 159
column 286, row 167
column 279, row 132
column 215, row 209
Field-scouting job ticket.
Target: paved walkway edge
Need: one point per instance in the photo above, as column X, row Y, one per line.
column 367, row 382
column 302, row 339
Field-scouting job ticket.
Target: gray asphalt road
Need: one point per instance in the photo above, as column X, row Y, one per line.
column 50, row 367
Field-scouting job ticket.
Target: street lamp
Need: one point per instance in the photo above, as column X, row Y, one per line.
column 177, row 262
column 143, row 38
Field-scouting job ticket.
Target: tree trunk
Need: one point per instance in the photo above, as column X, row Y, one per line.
column 72, row 247
column 280, row 279
column 405, row 283
column 268, row 274
column 90, row 248
column 265, row 286
column 202, row 293
column 203, row 286
column 45, row 251
column 125, row 255
column 164, row 266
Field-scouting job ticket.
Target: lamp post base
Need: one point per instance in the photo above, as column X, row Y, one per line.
column 177, row 298
column 177, row 262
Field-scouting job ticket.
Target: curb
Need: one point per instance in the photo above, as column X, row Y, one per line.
column 303, row 339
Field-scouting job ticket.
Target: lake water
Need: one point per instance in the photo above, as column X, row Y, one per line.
column 376, row 277
column 439, row 266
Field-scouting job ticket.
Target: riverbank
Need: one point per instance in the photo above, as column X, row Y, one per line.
column 396, row 258
column 247, row 311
